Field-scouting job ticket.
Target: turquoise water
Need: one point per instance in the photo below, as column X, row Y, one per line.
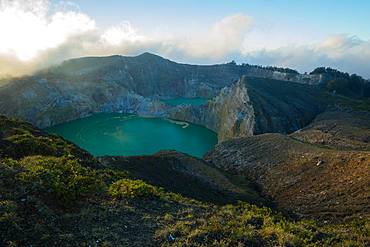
column 119, row 134
column 187, row 101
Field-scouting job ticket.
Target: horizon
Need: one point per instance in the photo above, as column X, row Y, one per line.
column 265, row 33
column 185, row 63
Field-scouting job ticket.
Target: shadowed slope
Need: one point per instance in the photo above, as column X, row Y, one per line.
column 184, row 174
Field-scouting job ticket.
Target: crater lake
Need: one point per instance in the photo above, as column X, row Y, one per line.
column 120, row 134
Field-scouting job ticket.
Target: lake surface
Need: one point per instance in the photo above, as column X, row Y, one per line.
column 120, row 134
column 187, row 101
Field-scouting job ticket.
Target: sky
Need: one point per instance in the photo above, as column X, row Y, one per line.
column 298, row 34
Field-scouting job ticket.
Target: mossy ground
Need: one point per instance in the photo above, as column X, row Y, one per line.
column 64, row 198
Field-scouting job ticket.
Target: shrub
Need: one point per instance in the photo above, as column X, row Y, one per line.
column 109, row 176
column 9, row 220
column 127, row 188
column 61, row 177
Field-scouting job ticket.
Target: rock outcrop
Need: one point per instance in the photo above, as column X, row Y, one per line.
column 261, row 72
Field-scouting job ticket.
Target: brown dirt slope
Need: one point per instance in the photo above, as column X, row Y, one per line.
column 339, row 130
column 317, row 172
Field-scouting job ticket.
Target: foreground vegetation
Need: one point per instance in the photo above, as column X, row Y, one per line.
column 65, row 197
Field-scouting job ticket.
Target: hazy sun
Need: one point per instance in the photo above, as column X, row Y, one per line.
column 27, row 29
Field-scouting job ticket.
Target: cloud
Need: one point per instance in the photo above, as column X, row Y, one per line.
column 54, row 33
column 27, row 29
column 223, row 38
column 121, row 33
column 36, row 34
column 344, row 52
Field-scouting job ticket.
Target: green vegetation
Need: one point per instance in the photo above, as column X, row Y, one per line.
column 343, row 83
column 272, row 68
column 68, row 199
column 248, row 225
column 62, row 178
column 346, row 102
column 19, row 139
column 127, row 188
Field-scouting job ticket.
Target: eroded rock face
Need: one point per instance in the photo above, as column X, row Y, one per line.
column 230, row 113
column 44, row 103
column 312, row 79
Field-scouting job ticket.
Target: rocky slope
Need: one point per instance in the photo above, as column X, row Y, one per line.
column 338, row 130
column 316, row 172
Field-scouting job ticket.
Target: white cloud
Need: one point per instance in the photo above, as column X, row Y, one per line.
column 121, row 33
column 344, row 52
column 223, row 38
column 27, row 29
column 36, row 34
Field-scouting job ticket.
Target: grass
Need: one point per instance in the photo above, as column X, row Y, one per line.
column 62, row 178
column 127, row 188
column 248, row 225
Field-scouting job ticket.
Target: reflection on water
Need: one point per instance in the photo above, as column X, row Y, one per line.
column 183, row 124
